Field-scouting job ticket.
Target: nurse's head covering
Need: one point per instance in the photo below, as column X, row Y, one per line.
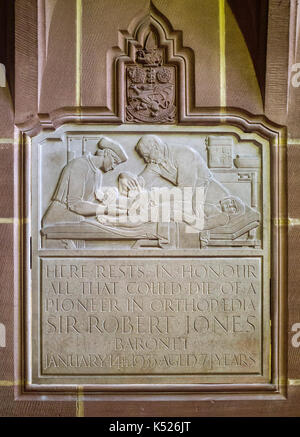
column 116, row 148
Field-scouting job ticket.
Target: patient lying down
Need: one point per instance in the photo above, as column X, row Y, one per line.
column 131, row 205
column 126, row 205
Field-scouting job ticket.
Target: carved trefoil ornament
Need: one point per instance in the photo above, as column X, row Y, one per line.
column 150, row 86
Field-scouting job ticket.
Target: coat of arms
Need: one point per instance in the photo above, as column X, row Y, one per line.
column 150, row 89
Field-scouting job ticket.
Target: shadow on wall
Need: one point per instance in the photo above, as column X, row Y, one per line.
column 252, row 19
column 245, row 50
column 7, row 43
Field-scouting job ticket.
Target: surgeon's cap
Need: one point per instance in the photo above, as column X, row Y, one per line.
column 107, row 143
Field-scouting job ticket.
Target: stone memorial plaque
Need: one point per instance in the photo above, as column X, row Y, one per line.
column 150, row 256
column 150, row 208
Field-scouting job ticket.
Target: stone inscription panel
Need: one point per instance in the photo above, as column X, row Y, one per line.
column 144, row 316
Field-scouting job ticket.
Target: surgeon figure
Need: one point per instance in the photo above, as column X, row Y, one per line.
column 76, row 195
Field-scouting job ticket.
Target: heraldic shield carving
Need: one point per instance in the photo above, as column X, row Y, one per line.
column 150, row 86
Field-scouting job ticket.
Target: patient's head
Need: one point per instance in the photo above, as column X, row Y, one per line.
column 232, row 206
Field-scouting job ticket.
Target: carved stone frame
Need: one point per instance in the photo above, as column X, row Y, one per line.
column 188, row 114
column 275, row 390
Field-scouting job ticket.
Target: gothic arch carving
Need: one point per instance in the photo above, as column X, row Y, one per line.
column 169, row 44
column 122, row 55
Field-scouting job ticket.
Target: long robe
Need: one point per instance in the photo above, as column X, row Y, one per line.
column 75, row 192
column 185, row 167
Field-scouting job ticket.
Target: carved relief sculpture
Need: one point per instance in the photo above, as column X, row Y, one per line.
column 176, row 193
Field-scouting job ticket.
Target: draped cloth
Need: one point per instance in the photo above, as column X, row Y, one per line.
column 79, row 181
